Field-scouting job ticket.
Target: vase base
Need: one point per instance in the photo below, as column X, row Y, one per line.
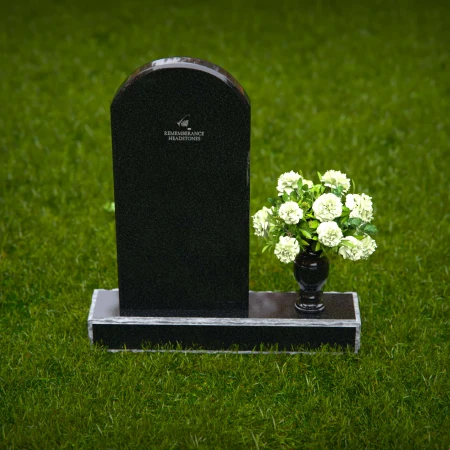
column 304, row 308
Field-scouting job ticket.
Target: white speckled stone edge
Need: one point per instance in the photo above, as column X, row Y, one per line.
column 224, row 321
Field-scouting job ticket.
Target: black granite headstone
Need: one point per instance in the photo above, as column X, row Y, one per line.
column 181, row 143
column 181, row 140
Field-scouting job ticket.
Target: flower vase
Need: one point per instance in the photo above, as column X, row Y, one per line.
column 311, row 272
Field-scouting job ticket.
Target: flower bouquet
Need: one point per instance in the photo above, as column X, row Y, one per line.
column 316, row 220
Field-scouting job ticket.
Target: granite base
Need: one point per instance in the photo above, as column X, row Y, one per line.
column 272, row 325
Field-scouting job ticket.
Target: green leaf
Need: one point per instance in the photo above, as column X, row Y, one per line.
column 320, row 176
column 110, row 207
column 370, row 229
column 354, row 221
column 265, row 248
column 305, row 233
column 337, row 191
column 347, row 244
column 274, row 229
column 303, row 242
column 313, row 224
column 285, row 197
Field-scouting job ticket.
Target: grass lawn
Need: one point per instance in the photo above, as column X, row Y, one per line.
column 361, row 87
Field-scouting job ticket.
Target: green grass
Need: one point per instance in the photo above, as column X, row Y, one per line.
column 361, row 87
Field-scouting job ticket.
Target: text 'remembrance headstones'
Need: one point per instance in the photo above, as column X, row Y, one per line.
column 181, row 143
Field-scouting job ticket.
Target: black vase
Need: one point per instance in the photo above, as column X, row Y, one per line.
column 311, row 272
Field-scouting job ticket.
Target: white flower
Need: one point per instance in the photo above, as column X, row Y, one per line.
column 261, row 221
column 327, row 207
column 329, row 234
column 288, row 182
column 334, row 179
column 368, row 246
column 360, row 206
column 350, row 201
column 287, row 249
column 290, row 212
column 309, row 183
column 355, row 252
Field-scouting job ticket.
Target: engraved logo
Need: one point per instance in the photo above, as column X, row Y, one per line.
column 186, row 133
column 184, row 122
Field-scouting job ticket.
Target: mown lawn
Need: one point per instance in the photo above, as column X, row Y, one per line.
column 361, row 87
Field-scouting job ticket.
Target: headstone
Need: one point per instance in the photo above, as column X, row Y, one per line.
column 181, row 143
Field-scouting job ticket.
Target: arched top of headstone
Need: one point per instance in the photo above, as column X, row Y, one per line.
column 183, row 63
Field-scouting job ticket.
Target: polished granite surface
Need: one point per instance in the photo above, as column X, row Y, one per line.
column 262, row 305
column 181, row 152
column 271, row 320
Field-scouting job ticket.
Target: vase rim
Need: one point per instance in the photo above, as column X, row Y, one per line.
column 307, row 252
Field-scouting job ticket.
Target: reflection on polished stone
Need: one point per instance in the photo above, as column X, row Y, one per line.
column 262, row 305
column 276, row 305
